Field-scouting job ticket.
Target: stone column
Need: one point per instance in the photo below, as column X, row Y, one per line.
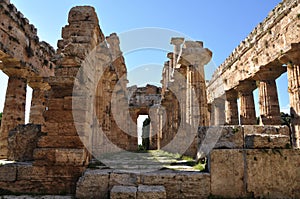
column 38, row 101
column 231, row 108
column 268, row 97
column 247, row 107
column 268, row 102
column 14, row 110
column 177, row 42
column 292, row 59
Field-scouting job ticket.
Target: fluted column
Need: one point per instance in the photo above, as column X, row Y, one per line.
column 247, row 107
column 231, row 108
column 292, row 59
column 14, row 110
column 268, row 97
column 268, row 102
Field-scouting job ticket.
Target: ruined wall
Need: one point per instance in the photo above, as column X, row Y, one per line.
column 25, row 60
column 271, row 49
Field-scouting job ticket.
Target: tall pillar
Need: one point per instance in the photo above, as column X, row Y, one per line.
column 268, row 97
column 247, row 107
column 292, row 59
column 38, row 101
column 231, row 108
column 268, row 102
column 219, row 111
column 14, row 110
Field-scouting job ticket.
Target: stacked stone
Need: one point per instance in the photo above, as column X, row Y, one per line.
column 24, row 59
column 62, row 149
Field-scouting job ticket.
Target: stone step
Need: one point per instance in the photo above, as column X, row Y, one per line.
column 140, row 192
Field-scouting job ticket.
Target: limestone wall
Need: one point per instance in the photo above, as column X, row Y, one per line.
column 268, row 173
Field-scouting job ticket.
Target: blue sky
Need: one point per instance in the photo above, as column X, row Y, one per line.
column 220, row 24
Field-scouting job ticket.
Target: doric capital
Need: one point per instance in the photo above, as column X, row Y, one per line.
column 246, row 86
column 231, row 94
column 291, row 57
column 177, row 40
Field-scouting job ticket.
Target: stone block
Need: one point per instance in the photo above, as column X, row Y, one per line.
column 123, row 192
column 266, row 141
column 194, row 184
column 60, row 156
column 60, row 142
column 8, row 173
column 224, row 137
column 272, row 130
column 93, row 184
column 126, row 179
column 273, row 173
column 227, row 173
column 58, row 116
column 149, row 192
column 24, row 171
column 179, row 184
column 22, row 141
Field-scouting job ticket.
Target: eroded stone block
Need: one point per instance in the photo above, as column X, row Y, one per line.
column 273, row 173
column 224, row 137
column 123, row 192
column 22, row 141
column 149, row 192
column 227, row 173
column 8, row 173
column 93, row 184
column 259, row 141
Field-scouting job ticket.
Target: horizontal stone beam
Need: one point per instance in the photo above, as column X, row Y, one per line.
column 21, row 52
column 262, row 48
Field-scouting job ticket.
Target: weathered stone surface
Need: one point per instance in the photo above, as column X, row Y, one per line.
column 177, row 184
column 93, row 184
column 22, row 141
column 123, row 192
column 121, row 178
column 8, row 173
column 21, row 51
column 224, row 137
column 227, row 173
column 273, row 173
column 149, row 192
column 37, row 197
column 60, row 156
column 13, row 112
column 270, row 130
column 180, row 184
column 267, row 141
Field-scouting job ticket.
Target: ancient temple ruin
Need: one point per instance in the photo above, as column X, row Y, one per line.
column 82, row 110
